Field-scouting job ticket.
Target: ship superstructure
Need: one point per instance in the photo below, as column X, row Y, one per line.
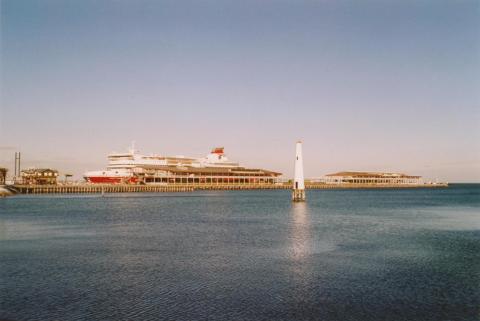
column 215, row 168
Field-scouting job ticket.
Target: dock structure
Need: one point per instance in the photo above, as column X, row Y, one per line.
column 129, row 188
column 298, row 193
column 97, row 188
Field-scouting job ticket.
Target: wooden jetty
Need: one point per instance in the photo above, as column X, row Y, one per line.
column 95, row 189
column 131, row 188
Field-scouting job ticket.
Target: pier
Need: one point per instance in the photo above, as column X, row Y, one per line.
column 129, row 188
column 95, row 189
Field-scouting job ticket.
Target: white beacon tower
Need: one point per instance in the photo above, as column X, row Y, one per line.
column 298, row 193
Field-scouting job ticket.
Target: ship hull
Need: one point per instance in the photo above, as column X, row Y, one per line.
column 111, row 180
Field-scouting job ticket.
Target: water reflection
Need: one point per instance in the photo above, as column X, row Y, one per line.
column 300, row 232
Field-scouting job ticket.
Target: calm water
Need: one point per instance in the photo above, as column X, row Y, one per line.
column 243, row 255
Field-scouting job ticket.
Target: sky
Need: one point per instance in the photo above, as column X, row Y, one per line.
column 366, row 85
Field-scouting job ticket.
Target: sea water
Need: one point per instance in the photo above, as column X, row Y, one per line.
column 369, row 254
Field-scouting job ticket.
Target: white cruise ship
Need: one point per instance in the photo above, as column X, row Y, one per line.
column 133, row 168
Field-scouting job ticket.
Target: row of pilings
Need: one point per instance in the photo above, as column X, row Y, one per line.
column 97, row 189
column 129, row 188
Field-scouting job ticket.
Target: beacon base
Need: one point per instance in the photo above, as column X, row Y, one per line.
column 298, row 195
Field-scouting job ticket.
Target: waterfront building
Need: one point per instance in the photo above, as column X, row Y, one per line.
column 39, row 176
column 215, row 169
column 370, row 178
column 206, row 175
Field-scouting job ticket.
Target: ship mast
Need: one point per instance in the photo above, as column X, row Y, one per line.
column 132, row 148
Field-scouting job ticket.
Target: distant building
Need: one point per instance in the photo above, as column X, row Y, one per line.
column 372, row 178
column 39, row 176
column 3, row 175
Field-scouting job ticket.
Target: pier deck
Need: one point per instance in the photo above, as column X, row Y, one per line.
column 128, row 188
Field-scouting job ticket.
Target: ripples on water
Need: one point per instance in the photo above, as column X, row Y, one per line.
column 243, row 255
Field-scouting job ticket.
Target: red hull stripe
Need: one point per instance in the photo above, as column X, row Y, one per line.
column 110, row 180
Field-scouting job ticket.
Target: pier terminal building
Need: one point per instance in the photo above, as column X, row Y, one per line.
column 369, row 178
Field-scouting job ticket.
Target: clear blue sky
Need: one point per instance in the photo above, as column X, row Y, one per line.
column 367, row 85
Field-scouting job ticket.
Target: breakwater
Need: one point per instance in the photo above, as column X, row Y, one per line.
column 129, row 188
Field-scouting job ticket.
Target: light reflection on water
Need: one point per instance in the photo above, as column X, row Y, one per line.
column 301, row 235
